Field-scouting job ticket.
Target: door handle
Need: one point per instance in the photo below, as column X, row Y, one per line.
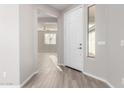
column 80, row 48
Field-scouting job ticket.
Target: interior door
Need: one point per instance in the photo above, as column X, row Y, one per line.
column 73, row 39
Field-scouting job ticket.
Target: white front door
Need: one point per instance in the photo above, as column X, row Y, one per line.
column 73, row 39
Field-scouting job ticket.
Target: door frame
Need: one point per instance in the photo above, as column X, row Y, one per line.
column 73, row 9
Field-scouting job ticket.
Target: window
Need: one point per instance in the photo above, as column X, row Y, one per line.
column 50, row 38
column 91, row 31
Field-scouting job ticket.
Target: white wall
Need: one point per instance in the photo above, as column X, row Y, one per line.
column 115, row 51
column 9, row 44
column 27, row 28
column 108, row 63
column 17, row 26
column 18, row 40
column 60, row 40
column 98, row 66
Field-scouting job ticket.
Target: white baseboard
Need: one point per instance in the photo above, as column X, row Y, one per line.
column 101, row 79
column 9, row 86
column 29, row 78
column 60, row 64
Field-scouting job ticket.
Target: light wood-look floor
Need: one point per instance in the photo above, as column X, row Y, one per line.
column 52, row 76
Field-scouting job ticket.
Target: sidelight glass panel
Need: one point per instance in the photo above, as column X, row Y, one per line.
column 91, row 31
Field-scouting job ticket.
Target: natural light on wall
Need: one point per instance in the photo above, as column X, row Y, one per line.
column 91, row 31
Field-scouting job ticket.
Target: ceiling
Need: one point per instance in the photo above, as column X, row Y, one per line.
column 60, row 7
column 40, row 14
column 44, row 14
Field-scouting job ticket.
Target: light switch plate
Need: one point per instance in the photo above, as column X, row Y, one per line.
column 122, row 43
column 4, row 74
column 122, row 81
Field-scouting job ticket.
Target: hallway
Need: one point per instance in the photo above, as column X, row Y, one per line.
column 52, row 76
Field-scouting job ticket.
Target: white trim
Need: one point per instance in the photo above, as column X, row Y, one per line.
column 29, row 78
column 9, row 86
column 101, row 79
column 73, row 9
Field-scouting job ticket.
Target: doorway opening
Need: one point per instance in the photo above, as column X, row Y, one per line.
column 47, row 40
